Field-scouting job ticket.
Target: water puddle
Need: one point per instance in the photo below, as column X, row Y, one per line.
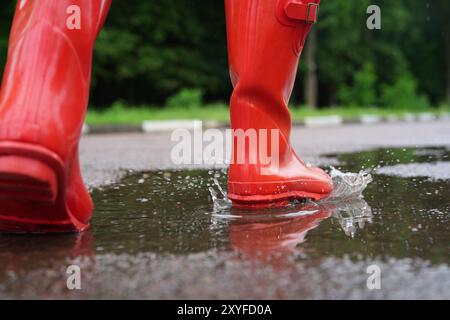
column 188, row 211
column 346, row 203
column 182, row 219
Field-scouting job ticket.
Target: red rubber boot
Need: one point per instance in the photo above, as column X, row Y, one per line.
column 265, row 40
column 43, row 102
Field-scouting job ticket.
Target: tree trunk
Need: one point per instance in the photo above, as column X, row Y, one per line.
column 311, row 72
column 448, row 64
column 333, row 96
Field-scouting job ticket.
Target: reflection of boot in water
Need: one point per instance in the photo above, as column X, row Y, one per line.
column 272, row 241
column 56, row 252
column 277, row 237
column 261, row 237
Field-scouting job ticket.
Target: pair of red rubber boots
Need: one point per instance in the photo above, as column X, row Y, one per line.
column 45, row 91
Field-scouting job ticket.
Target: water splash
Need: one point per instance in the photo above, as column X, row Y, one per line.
column 346, row 203
column 218, row 195
column 347, row 200
column 348, row 185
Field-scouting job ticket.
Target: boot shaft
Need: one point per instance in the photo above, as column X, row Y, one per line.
column 265, row 41
column 78, row 20
column 45, row 88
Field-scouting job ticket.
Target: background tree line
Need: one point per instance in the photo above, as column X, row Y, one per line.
column 151, row 50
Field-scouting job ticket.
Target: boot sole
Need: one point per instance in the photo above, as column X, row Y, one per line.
column 33, row 191
column 280, row 199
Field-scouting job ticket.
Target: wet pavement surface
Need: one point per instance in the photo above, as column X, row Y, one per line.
column 159, row 234
column 106, row 158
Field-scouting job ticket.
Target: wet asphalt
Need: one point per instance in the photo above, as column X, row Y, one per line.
column 105, row 158
column 152, row 238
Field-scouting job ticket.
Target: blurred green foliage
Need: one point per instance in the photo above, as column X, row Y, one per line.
column 362, row 91
column 186, row 98
column 6, row 12
column 150, row 51
column 403, row 94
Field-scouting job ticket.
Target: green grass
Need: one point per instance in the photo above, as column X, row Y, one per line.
column 119, row 114
column 135, row 115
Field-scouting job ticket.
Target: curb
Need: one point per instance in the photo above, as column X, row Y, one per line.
column 370, row 119
column 170, row 125
column 312, row 122
column 309, row 122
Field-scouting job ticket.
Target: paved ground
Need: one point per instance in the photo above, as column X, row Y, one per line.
column 36, row 267
column 105, row 157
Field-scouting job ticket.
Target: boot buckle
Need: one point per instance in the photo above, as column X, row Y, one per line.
column 295, row 11
column 313, row 8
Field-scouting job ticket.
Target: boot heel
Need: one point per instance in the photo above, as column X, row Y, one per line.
column 27, row 179
column 33, row 191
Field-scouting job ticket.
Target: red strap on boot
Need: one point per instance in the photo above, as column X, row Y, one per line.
column 307, row 12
